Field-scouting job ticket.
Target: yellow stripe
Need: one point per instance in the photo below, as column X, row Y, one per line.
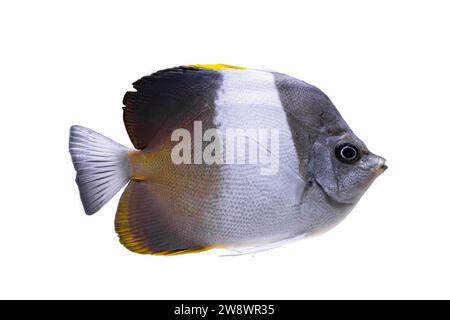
column 218, row 67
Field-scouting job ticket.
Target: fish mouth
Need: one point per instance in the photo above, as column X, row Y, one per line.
column 380, row 167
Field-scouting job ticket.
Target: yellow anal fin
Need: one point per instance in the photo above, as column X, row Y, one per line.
column 184, row 251
column 218, row 67
column 139, row 229
column 123, row 228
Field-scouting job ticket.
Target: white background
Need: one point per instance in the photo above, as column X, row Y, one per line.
column 385, row 65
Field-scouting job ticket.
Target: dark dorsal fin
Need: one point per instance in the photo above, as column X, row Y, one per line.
column 165, row 98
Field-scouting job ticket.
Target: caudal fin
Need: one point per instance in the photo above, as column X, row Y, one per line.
column 102, row 167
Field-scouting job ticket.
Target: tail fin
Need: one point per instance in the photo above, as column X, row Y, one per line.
column 102, row 167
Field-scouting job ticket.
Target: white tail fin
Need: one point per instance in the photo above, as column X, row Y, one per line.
column 102, row 166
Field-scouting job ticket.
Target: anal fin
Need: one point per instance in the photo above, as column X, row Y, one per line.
column 145, row 227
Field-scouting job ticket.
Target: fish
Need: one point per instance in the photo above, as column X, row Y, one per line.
column 190, row 186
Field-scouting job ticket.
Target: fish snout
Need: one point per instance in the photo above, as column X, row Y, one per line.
column 380, row 165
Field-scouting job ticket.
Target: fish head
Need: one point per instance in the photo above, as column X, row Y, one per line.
column 344, row 167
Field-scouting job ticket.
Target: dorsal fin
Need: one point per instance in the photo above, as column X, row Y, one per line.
column 165, row 98
column 219, row 66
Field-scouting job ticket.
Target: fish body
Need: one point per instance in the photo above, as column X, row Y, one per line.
column 177, row 200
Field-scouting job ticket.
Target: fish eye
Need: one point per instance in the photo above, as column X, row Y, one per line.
column 347, row 153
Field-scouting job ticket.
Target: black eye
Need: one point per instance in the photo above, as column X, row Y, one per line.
column 347, row 153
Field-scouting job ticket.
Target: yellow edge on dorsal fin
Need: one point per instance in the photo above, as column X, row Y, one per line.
column 218, row 67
